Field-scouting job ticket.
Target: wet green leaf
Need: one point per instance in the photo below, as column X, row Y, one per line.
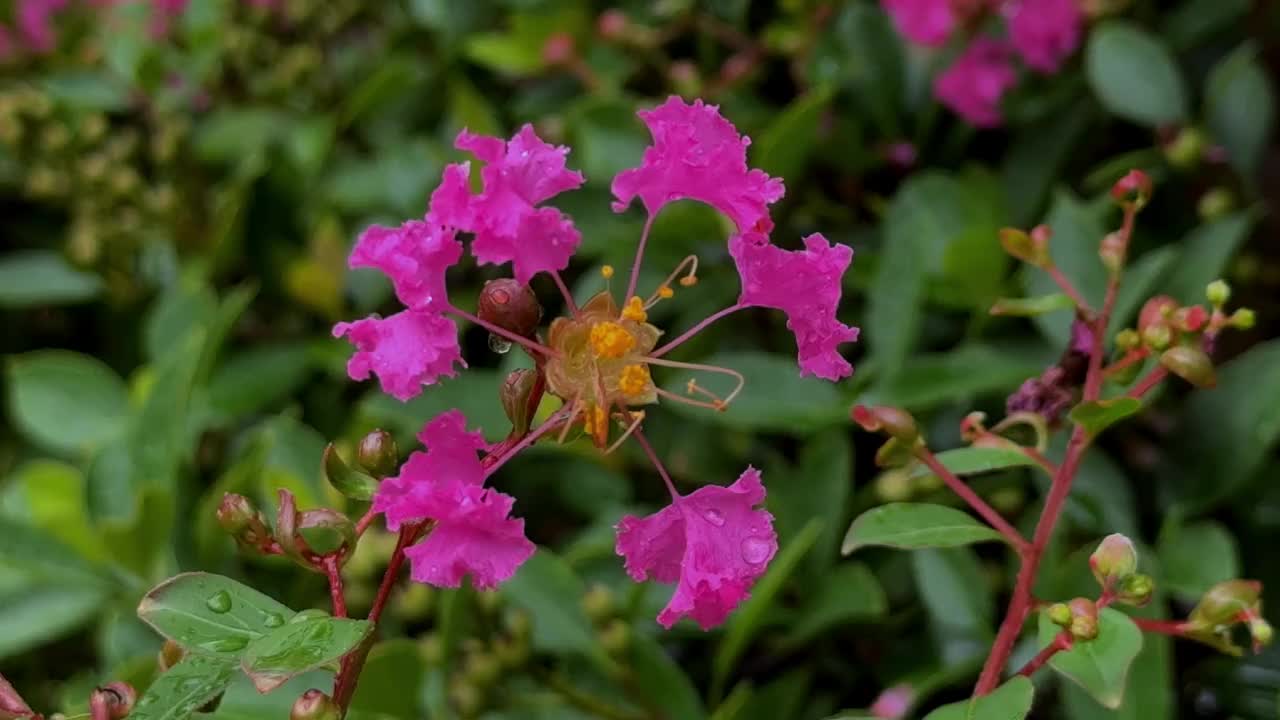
column 1100, row 666
column 303, row 643
column 185, row 688
column 210, row 614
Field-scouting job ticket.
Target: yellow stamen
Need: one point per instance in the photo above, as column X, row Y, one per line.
column 595, row 420
column 634, row 310
column 637, row 416
column 665, row 292
column 689, row 280
column 606, row 272
column 611, row 341
column 634, row 380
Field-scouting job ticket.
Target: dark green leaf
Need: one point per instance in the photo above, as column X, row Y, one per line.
column 850, row 592
column 392, row 679
column 660, row 678
column 1195, row 557
column 66, row 401
column 909, row 526
column 956, row 593
column 1239, row 82
column 257, row 378
column 928, row 380
column 1100, row 666
column 549, row 590
column 1032, row 306
column 1077, row 231
column 30, row 278
column 88, row 90
column 230, row 134
column 211, row 614
column 1011, row 701
column 303, row 643
column 1134, row 75
column 185, row 688
column 817, row 487
column 1098, row 415
column 784, row 147
column 40, row 612
column 1206, row 251
column 975, row 460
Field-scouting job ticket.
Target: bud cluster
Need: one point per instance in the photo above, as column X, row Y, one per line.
column 1115, row 567
column 1225, row 606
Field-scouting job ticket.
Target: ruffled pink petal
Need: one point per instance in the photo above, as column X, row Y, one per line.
column 451, row 202
column 473, row 535
column 508, row 225
column 1045, row 32
column 415, row 256
column 698, row 154
column 974, row 85
column 924, row 22
column 450, row 458
column 406, row 351
column 720, row 541
column 805, row 284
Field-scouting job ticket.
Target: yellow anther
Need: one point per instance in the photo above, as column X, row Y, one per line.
column 665, row 292
column 595, row 420
column 611, row 341
column 689, row 280
column 634, row 380
column 634, row 310
column 606, row 271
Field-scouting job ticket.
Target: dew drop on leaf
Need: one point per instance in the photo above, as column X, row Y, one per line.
column 219, row 602
column 273, row 620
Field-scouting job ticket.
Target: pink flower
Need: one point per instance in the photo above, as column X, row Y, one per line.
column 8, row 48
column 714, row 543
column 697, row 154
column 805, row 284
column 473, row 533
column 507, row 224
column 924, row 22
column 974, row 85
column 406, row 351
column 1045, row 32
column 35, row 22
column 415, row 256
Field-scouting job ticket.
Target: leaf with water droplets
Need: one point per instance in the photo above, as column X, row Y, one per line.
column 297, row 647
column 210, row 614
column 185, row 688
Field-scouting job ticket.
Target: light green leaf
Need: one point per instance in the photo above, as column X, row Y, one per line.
column 975, row 460
column 1097, row 415
column 53, row 498
column 848, row 593
column 303, row 643
column 41, row 612
column 258, row 377
column 1032, row 306
column 954, row 589
column 66, row 401
column 1206, row 250
column 1195, row 557
column 185, row 688
column 391, row 682
column 88, row 90
column 1240, row 108
column 775, row 396
column 1100, row 666
column 211, row 614
column 30, row 278
column 910, row 526
column 1011, row 701
column 1134, row 75
column 660, row 678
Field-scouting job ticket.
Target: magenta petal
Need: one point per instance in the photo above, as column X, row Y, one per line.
column 415, row 256
column 924, row 22
column 452, row 202
column 406, row 351
column 805, row 284
column 976, row 82
column 473, row 536
column 698, row 154
column 449, row 459
column 718, row 539
column 1045, row 32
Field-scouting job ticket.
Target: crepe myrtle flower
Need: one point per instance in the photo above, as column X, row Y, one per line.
column 599, row 358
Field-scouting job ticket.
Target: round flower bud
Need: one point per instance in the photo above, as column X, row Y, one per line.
column 1218, row 293
column 1185, row 149
column 1136, row 590
column 1134, row 188
column 1243, row 319
column 1224, row 603
column 515, row 395
column 1215, row 203
column 378, row 454
column 1128, row 339
column 1190, row 319
column 113, row 701
column 1156, row 311
column 1157, row 337
column 1060, row 614
column 612, row 24
column 431, row 648
column 510, row 305
column 894, row 485
column 482, row 669
column 314, row 705
column 1114, row 560
column 616, row 637
column 1191, row 364
column 235, row 513
column 1112, row 251
column 893, row 421
column 1261, row 632
column 598, row 603
column 1084, row 619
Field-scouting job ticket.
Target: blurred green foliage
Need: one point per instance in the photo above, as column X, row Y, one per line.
column 176, row 218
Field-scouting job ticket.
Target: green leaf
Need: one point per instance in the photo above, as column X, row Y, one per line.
column 910, row 526
column 749, row 617
column 301, row 644
column 866, row 55
column 660, row 678
column 1134, row 75
column 1195, row 557
column 928, row 380
column 211, row 614
column 818, row 486
column 53, row 498
column 1239, row 81
column 88, row 90
column 1206, row 251
column 258, row 377
column 30, row 278
column 784, row 148
column 351, row 483
column 185, row 688
column 392, row 679
column 848, row 593
column 955, row 591
column 37, row 613
column 1010, row 701
column 774, row 398
column 1032, row 306
column 607, row 138
column 975, row 460
column 474, row 393
column 66, row 401
column 394, row 77
column 1100, row 666
column 230, row 134
column 1098, row 415
column 549, row 590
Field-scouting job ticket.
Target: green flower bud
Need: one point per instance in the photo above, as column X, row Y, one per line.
column 1157, row 337
column 1218, row 293
column 1136, row 590
column 895, row 422
column 1114, row 560
column 1261, row 632
column 431, row 648
column 482, row 669
column 1191, row 364
column 1243, row 319
column 1128, row 339
column 616, row 637
column 315, row 705
column 1225, row 602
column 1186, row 148
column 894, row 485
column 378, row 454
column 1032, row 248
column 598, row 604
column 1060, row 614
column 1215, row 203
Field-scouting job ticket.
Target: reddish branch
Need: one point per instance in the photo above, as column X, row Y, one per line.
column 334, row 573
column 966, row 493
column 1152, row 379
column 1061, row 642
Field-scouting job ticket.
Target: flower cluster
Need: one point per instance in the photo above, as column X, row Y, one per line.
column 1043, row 33
column 597, row 359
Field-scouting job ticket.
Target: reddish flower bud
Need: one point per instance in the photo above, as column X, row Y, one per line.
column 973, row 427
column 516, row 395
column 242, row 521
column 112, row 702
column 1190, row 319
column 1112, row 251
column 12, row 706
column 511, row 305
column 314, row 705
column 1084, row 619
column 1191, row 364
column 893, row 421
column 1156, row 311
column 737, row 67
column 558, row 49
column 1134, row 188
column 612, row 24
column 1114, row 560
column 378, row 454
column 1226, row 603
column 1032, row 249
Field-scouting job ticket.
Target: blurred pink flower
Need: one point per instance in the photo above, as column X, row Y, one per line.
column 804, row 284
column 1045, row 32
column 35, row 23
column 976, row 82
column 714, row 543
column 698, row 154
column 924, row 22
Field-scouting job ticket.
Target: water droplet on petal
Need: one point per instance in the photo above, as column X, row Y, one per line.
column 499, row 345
column 219, row 602
column 273, row 620
column 713, row 516
column 755, row 550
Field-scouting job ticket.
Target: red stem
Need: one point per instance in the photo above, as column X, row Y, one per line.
column 1067, row 287
column 365, row 521
column 980, row 506
column 331, row 570
column 1149, row 381
column 1039, row 459
column 1061, row 642
column 1176, row 628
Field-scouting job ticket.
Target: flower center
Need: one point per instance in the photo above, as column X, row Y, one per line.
column 610, row 341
